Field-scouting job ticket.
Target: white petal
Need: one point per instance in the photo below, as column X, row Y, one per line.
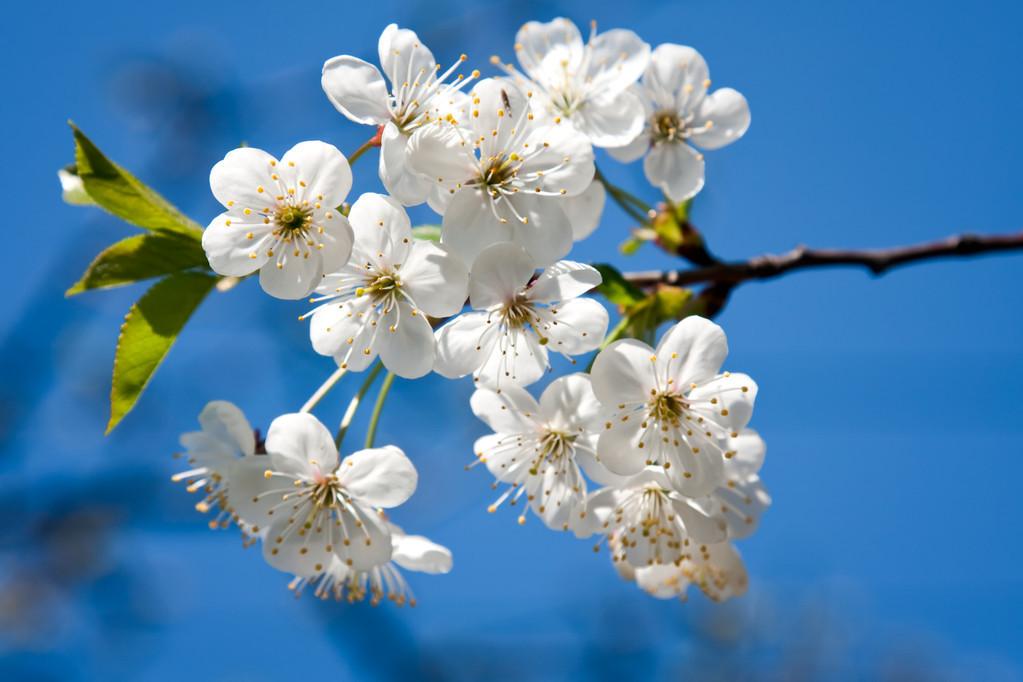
column 299, row 443
column 73, row 189
column 569, row 404
column 344, row 331
column 440, row 153
column 692, row 351
column 228, row 248
column 383, row 232
column 633, row 150
column 435, row 279
column 564, row 280
column 618, row 447
column 546, row 233
column 675, row 168
column 417, row 553
column 700, row 525
column 743, row 501
column 623, row 373
column 291, row 277
column 405, row 342
column 402, row 182
column 369, row 545
column 225, row 422
column 508, row 411
column 600, row 505
column 517, row 358
column 236, row 179
column 726, row 112
column 577, row 326
column 303, row 554
column 251, row 495
column 505, row 457
column 617, row 59
column 676, row 78
column 750, row 450
column 356, row 89
column 322, row 168
column 585, row 210
column 612, row 119
column 558, row 159
column 380, row 477
column 733, row 395
column 661, row 581
column 501, row 109
column 470, row 225
column 499, row 273
column 403, row 57
column 547, row 51
column 336, row 244
column 464, row 344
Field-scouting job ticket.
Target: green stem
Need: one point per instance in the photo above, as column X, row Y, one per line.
column 353, row 404
column 374, row 419
column 366, row 146
column 323, row 390
column 611, row 337
column 637, row 209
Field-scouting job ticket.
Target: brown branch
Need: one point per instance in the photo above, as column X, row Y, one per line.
column 877, row 261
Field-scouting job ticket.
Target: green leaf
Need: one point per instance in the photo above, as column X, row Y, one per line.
column 124, row 195
column 140, row 257
column 149, row 330
column 616, row 288
column 430, row 233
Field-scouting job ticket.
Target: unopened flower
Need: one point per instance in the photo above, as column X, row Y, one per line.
column 588, row 85
column 419, row 93
column 541, row 449
column 649, row 521
column 682, row 112
column 411, row 552
column 501, row 174
column 516, row 318
column 281, row 218
column 716, row 570
column 72, row 189
column 311, row 508
column 226, row 436
column 378, row 302
column 671, row 407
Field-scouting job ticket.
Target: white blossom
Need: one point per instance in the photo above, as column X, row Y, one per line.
column 672, row 407
column 716, row 570
column 541, row 449
column 311, row 509
column 682, row 112
column 411, row 552
column 282, row 217
column 516, row 318
column 502, row 174
column 419, row 93
column 378, row 302
column 226, row 436
column 588, row 85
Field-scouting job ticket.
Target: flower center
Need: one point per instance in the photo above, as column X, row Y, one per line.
column 518, row 312
column 498, row 171
column 293, row 220
column 668, row 126
column 668, row 408
column 326, row 493
column 554, row 446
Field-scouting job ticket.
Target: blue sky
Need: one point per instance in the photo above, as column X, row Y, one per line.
column 890, row 406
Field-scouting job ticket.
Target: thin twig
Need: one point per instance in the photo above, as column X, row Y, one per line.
column 878, row 261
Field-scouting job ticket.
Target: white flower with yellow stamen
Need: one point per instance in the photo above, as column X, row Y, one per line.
column 411, row 552
column 671, row 407
column 519, row 317
column 502, row 174
column 419, row 94
column 310, row 508
column 588, row 85
column 649, row 521
column 682, row 112
column 378, row 302
column 716, row 570
column 282, row 217
column 541, row 449
column 226, row 436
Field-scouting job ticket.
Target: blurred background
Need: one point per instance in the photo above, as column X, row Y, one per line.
column 891, row 406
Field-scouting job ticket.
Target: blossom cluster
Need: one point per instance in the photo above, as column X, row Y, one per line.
column 650, row 451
